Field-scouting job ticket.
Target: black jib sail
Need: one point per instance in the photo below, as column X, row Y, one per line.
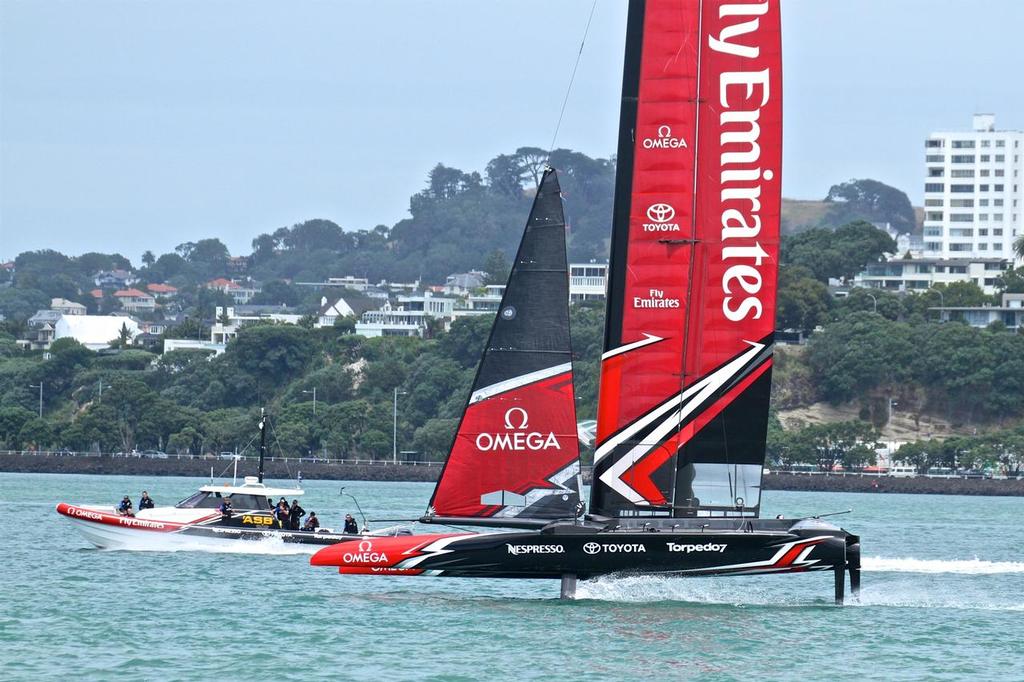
column 516, row 453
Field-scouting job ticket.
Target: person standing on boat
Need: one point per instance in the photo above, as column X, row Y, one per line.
column 125, row 508
column 295, row 515
column 146, row 502
column 281, row 513
column 351, row 527
column 312, row 523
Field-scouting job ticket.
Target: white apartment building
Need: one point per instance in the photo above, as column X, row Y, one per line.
column 587, row 281
column 973, row 191
column 919, row 274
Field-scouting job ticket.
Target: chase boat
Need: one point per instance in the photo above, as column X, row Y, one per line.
column 196, row 518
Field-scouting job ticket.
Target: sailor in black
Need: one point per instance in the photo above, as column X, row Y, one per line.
column 145, row 502
column 295, row 515
column 125, row 508
column 351, row 527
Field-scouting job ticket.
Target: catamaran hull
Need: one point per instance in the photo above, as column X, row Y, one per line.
column 113, row 531
column 582, row 553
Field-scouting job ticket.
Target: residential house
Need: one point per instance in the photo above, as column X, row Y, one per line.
column 1010, row 313
column 587, row 281
column 486, row 303
column 95, row 332
column 389, row 321
column 193, row 344
column 162, row 291
column 114, row 279
column 919, row 274
column 40, row 329
column 330, row 313
column 66, row 307
column 461, row 283
column 240, row 295
column 135, row 301
column 229, row 320
column 346, row 282
column 238, row 264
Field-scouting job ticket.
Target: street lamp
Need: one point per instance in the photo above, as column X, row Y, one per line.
column 101, row 385
column 314, row 399
column 874, row 302
column 942, row 300
column 40, row 387
column 394, row 428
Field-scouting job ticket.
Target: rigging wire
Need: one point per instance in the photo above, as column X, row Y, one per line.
column 572, row 78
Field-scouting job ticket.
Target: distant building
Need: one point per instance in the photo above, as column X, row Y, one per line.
column 390, row 321
column 95, row 332
column 330, row 313
column 1010, row 313
column 66, row 307
column 135, row 301
column 162, row 291
column 918, row 274
column 587, row 281
column 239, row 264
column 240, row 294
column 486, row 303
column 193, row 344
column 114, row 279
column 227, row 321
column 432, row 306
column 462, row 283
column 346, row 282
column 973, row 191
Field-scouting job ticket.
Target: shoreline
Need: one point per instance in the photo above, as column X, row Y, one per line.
column 386, row 471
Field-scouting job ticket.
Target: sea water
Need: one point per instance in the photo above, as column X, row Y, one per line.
column 943, row 598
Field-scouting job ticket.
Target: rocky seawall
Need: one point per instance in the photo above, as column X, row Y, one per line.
column 385, row 471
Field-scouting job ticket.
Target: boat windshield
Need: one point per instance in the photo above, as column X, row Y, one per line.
column 200, row 500
column 205, row 500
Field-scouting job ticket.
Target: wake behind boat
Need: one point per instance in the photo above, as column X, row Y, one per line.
column 686, row 373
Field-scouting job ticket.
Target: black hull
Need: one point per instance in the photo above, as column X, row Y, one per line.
column 695, row 547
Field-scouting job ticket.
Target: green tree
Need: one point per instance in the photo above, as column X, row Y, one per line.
column 871, row 201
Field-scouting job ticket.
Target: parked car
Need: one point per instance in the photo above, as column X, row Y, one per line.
column 228, row 455
column 154, row 454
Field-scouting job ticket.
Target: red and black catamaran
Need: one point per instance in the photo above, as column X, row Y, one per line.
column 686, row 372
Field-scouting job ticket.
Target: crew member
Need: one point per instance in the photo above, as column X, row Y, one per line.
column 351, row 527
column 281, row 513
column 312, row 523
column 225, row 509
column 125, row 508
column 145, row 502
column 295, row 515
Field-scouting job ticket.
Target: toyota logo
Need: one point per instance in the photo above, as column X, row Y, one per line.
column 660, row 213
column 591, row 548
column 365, row 546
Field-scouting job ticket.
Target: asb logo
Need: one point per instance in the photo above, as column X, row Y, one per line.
column 664, row 140
column 365, row 555
column 517, row 437
column 660, row 217
column 591, row 548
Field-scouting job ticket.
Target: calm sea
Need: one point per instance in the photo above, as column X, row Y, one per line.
column 943, row 599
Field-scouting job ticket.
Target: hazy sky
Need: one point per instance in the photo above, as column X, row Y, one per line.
column 131, row 125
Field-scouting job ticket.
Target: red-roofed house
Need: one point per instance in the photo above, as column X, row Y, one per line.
column 96, row 293
column 162, row 290
column 135, row 301
column 241, row 295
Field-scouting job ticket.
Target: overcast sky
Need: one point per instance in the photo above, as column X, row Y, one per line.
column 127, row 126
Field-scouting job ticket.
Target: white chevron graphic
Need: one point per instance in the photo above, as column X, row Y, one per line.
column 646, row 341
column 689, row 400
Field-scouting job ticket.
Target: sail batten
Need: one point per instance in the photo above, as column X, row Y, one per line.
column 682, row 420
column 516, row 454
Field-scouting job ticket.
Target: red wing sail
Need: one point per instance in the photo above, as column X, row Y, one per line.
column 516, row 452
column 686, row 372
